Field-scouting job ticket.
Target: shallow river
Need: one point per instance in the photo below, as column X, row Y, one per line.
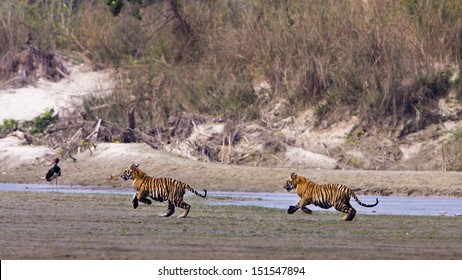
column 388, row 205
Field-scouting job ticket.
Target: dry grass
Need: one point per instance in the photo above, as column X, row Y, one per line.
column 385, row 61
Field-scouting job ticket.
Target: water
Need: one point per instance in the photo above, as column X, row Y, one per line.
column 388, row 205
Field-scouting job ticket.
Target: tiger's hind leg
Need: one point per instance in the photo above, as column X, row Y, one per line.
column 349, row 211
column 350, row 215
column 186, row 208
column 170, row 210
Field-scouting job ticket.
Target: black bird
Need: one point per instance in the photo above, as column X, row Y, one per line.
column 54, row 172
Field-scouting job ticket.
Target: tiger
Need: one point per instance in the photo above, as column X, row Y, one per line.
column 324, row 196
column 158, row 189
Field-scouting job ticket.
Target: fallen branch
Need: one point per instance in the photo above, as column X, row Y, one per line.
column 95, row 132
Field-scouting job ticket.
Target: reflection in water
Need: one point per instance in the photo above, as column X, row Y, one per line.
column 388, row 205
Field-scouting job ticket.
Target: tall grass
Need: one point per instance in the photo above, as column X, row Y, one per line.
column 45, row 24
column 385, row 61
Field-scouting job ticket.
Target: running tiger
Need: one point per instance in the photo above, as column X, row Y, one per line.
column 324, row 196
column 158, row 189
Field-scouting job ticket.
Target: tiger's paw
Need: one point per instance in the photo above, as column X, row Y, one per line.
column 168, row 214
column 291, row 210
column 306, row 210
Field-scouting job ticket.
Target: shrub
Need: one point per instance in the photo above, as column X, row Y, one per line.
column 9, row 125
column 39, row 123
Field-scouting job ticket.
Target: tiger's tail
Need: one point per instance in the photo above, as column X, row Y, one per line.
column 363, row 204
column 195, row 192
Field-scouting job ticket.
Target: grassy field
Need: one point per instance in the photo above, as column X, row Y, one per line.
column 64, row 226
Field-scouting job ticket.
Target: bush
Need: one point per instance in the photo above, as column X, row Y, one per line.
column 39, row 123
column 9, row 125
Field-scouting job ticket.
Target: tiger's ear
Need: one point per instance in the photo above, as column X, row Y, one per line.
column 293, row 175
column 134, row 166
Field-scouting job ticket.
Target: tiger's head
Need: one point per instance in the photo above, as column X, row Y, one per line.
column 128, row 172
column 291, row 182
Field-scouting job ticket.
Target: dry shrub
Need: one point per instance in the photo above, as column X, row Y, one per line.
column 452, row 152
column 375, row 59
column 383, row 61
column 31, row 63
column 183, row 125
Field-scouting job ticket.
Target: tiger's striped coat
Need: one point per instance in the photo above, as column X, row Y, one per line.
column 324, row 196
column 158, row 189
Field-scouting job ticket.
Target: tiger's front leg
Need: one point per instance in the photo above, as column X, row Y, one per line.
column 306, row 210
column 145, row 200
column 137, row 198
column 135, row 201
column 302, row 204
column 294, row 208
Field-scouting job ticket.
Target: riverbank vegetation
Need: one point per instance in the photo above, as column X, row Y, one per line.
column 384, row 61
